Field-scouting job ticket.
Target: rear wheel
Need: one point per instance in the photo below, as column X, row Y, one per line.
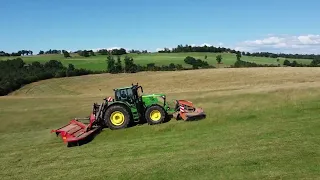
column 155, row 115
column 117, row 117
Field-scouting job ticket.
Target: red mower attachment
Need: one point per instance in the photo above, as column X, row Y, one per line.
column 76, row 131
column 187, row 111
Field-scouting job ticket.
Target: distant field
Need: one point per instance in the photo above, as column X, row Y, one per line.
column 262, row 123
column 99, row 62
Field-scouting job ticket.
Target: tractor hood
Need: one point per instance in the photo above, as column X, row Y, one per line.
column 153, row 95
column 150, row 99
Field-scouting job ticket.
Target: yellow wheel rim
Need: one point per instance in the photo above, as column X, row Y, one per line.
column 155, row 115
column 117, row 118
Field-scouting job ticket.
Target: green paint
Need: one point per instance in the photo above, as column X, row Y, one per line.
column 138, row 103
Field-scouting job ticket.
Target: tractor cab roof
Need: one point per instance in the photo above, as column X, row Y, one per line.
column 127, row 87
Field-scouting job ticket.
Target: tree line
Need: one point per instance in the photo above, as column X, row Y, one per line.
column 205, row 48
column 138, row 51
column 19, row 53
column 314, row 63
column 115, row 65
column 120, row 51
column 84, row 53
column 240, row 64
column 15, row 73
column 281, row 55
column 179, row 49
column 294, row 63
column 213, row 49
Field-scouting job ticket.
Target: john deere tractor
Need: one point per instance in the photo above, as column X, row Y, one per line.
column 129, row 105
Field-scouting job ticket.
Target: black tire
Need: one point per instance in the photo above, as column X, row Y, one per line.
column 124, row 115
column 159, row 111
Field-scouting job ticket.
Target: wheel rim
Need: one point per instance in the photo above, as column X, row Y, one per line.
column 117, row 118
column 155, row 115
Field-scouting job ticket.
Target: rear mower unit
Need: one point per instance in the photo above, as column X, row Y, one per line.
column 130, row 105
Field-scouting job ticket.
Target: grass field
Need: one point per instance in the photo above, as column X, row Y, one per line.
column 99, row 62
column 262, row 123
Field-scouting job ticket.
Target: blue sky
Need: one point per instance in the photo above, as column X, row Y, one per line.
column 249, row 25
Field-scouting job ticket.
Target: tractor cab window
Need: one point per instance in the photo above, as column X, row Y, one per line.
column 124, row 94
column 130, row 93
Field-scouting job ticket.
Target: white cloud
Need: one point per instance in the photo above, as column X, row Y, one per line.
column 309, row 39
column 283, row 43
column 205, row 44
column 159, row 49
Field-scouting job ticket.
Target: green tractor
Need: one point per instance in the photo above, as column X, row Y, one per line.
column 129, row 106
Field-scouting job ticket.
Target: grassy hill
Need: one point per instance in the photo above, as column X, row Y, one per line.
column 262, row 123
column 98, row 62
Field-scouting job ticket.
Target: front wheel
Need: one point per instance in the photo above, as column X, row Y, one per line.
column 117, row 117
column 155, row 115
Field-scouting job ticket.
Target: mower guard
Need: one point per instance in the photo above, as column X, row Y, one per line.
column 187, row 111
column 75, row 131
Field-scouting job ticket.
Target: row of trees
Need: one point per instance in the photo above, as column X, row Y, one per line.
column 16, row 73
column 240, row 64
column 51, row 51
column 19, row 53
column 178, row 49
column 115, row 65
column 213, row 49
column 196, row 63
column 205, row 48
column 85, row 53
column 314, row 63
column 138, row 51
column 120, row 51
column 281, row 55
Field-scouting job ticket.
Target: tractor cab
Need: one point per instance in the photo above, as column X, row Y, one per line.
column 131, row 94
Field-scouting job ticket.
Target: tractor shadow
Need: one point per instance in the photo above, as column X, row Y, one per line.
column 91, row 137
column 86, row 140
column 143, row 121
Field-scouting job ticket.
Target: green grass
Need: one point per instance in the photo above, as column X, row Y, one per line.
column 261, row 124
column 99, row 62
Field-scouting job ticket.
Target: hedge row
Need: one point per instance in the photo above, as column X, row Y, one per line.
column 15, row 73
column 115, row 66
column 241, row 63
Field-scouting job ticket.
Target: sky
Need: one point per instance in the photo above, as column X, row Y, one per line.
column 267, row 25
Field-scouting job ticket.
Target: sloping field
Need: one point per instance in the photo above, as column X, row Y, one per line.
column 262, row 123
column 98, row 62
